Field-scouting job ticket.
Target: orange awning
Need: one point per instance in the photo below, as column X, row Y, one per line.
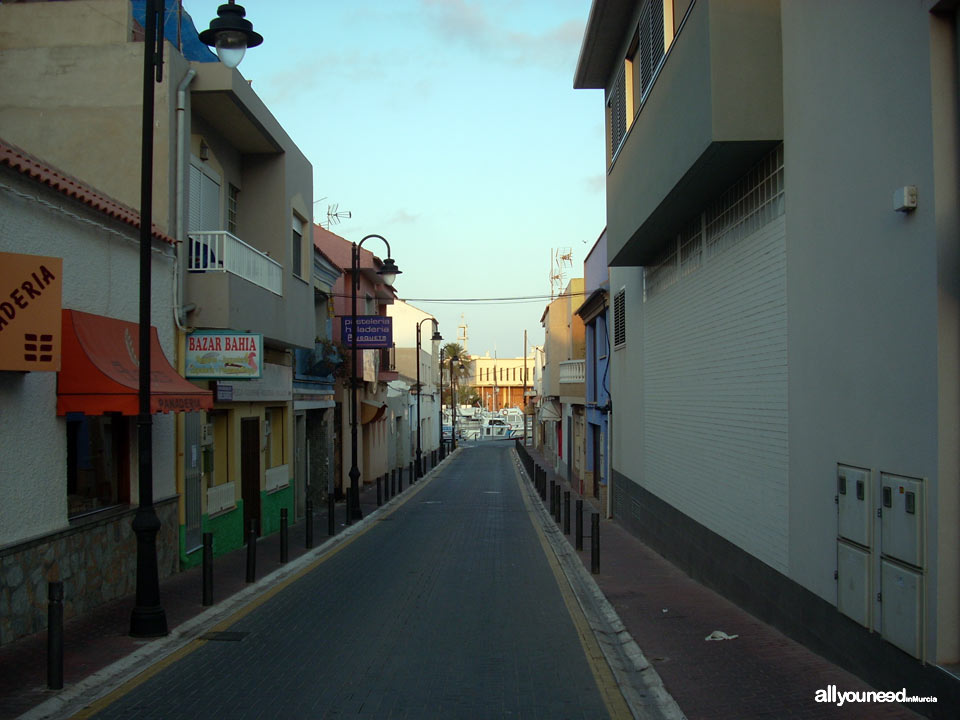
column 100, row 372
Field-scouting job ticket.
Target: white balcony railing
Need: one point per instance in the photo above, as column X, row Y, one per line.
column 219, row 251
column 573, row 371
column 221, row 497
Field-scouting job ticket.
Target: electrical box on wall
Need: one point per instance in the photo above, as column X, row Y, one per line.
column 206, row 434
column 853, row 582
column 905, row 198
column 902, row 602
column 854, row 509
column 901, row 519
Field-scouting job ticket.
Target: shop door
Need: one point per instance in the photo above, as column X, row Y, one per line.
column 250, row 472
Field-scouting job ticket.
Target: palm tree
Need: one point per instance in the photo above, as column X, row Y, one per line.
column 461, row 365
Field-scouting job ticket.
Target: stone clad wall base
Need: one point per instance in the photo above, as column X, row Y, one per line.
column 96, row 559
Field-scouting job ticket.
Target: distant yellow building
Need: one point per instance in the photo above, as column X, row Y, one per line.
column 500, row 382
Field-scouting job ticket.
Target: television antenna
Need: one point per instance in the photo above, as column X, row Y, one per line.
column 334, row 214
column 561, row 260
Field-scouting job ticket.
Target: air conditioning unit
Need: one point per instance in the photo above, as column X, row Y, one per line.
column 206, row 434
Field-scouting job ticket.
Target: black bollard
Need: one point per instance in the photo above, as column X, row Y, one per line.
column 308, row 523
column 566, row 512
column 393, row 482
column 553, row 497
column 331, row 520
column 579, row 524
column 595, row 543
column 207, row 569
column 252, row 552
column 284, row 541
column 557, row 506
column 379, row 491
column 55, row 635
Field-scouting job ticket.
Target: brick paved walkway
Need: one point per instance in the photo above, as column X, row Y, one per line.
column 760, row 674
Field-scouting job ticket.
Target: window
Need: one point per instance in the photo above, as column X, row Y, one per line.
column 296, row 255
column 617, row 115
column 620, row 319
column 97, row 462
column 233, row 197
column 204, row 198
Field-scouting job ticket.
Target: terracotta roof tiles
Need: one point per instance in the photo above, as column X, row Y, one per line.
column 26, row 164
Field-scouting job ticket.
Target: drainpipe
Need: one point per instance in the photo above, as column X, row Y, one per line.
column 181, row 185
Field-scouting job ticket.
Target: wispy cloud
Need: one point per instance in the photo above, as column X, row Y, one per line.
column 402, row 217
column 467, row 23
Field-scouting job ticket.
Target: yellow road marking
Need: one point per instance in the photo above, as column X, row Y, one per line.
column 602, row 674
column 195, row 644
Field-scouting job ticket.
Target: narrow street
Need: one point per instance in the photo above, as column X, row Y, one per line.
column 444, row 606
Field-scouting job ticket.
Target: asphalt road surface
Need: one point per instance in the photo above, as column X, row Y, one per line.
column 445, row 606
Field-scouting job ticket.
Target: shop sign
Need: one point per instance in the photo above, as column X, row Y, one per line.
column 276, row 385
column 211, row 356
column 30, row 303
column 373, row 331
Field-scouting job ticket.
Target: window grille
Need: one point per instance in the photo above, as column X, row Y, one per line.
column 620, row 319
column 233, row 199
column 746, row 206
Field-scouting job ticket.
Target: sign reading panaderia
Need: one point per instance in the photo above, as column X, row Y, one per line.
column 223, row 355
column 373, row 331
column 30, row 323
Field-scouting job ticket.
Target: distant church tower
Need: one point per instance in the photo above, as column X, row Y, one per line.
column 462, row 334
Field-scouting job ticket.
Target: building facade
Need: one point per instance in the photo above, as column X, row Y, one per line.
column 594, row 312
column 500, row 382
column 782, row 234
column 233, row 191
column 68, row 389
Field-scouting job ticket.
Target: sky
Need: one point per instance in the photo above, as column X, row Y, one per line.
column 452, row 129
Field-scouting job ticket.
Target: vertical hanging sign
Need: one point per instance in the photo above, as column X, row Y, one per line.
column 30, row 304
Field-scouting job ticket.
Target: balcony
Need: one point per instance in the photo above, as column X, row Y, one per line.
column 714, row 111
column 573, row 371
column 219, row 251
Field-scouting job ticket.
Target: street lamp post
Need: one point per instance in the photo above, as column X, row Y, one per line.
column 148, row 618
column 453, row 405
column 436, row 338
column 388, row 272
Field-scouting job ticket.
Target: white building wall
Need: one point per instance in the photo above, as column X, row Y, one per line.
column 100, row 275
column 713, row 362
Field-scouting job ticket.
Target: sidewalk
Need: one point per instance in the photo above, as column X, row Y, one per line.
column 97, row 639
column 759, row 674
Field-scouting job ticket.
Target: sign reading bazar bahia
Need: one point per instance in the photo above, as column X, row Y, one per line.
column 211, row 356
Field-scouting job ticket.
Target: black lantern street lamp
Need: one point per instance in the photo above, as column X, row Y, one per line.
column 388, row 272
column 231, row 34
column 443, row 453
column 148, row 618
column 436, row 338
column 453, row 405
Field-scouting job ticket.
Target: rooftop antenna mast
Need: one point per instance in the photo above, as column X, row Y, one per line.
column 334, row 214
column 561, row 260
column 462, row 333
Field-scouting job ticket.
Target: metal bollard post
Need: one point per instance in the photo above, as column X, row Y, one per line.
column 348, row 504
column 207, row 569
column 553, row 512
column 379, row 491
column 308, row 523
column 595, row 543
column 252, row 552
column 55, row 635
column 284, row 539
column 566, row 512
column 556, row 515
column 579, row 524
column 331, row 520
